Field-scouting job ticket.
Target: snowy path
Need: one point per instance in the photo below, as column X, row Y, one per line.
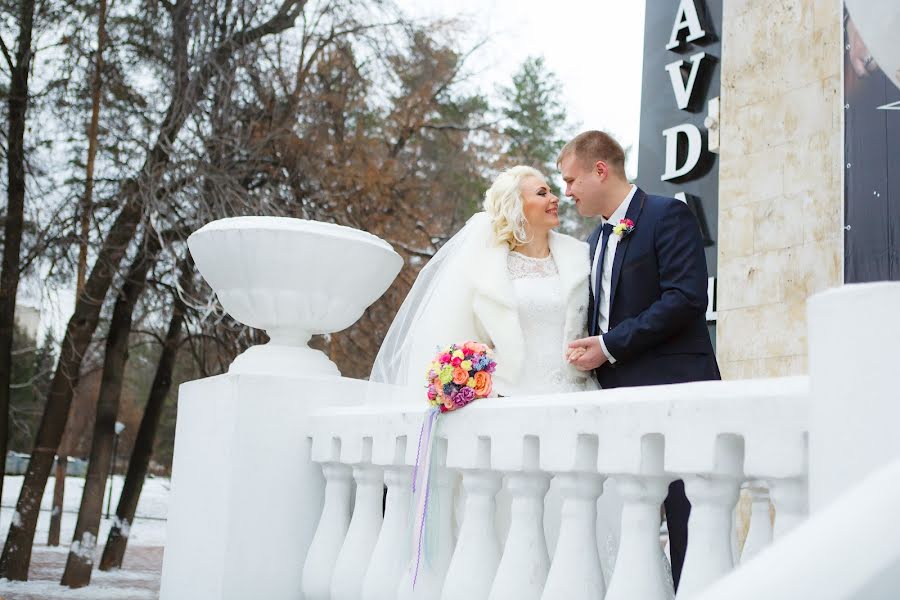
column 139, row 577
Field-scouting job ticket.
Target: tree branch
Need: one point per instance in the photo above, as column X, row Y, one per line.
column 6, row 54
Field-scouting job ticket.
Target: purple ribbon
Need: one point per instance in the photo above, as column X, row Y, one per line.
column 425, row 441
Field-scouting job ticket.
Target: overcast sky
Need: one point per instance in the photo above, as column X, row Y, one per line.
column 594, row 46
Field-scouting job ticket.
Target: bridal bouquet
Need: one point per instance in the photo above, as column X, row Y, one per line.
column 459, row 374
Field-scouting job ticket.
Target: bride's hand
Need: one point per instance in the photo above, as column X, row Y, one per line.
column 590, row 355
column 573, row 354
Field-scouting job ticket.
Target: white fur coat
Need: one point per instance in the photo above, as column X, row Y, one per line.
column 495, row 310
column 480, row 305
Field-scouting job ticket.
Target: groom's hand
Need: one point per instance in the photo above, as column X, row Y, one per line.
column 585, row 354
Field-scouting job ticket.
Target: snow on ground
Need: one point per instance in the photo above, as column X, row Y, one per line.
column 139, row 577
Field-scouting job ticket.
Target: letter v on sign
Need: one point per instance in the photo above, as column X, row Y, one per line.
column 684, row 90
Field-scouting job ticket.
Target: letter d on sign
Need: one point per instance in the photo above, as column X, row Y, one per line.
column 694, row 147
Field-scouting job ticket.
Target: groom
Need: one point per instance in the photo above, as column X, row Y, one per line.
column 648, row 298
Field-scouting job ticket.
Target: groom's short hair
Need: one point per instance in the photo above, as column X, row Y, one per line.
column 590, row 147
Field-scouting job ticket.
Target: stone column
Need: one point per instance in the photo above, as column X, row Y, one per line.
column 780, row 235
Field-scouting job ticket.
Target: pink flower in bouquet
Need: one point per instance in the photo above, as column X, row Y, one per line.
column 445, row 358
column 456, row 361
column 480, row 347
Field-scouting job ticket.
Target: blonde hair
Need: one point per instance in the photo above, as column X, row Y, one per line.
column 503, row 204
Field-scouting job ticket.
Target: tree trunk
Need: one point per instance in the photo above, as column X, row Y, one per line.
column 17, row 551
column 186, row 95
column 59, row 491
column 17, row 106
column 81, row 553
column 114, row 551
column 93, row 133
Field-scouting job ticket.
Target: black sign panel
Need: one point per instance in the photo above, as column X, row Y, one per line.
column 871, row 141
column 684, row 73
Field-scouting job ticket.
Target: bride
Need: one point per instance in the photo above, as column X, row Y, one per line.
column 508, row 280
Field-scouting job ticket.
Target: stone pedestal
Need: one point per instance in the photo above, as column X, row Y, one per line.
column 245, row 499
column 853, row 418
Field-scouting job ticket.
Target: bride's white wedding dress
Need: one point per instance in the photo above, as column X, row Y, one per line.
column 542, row 315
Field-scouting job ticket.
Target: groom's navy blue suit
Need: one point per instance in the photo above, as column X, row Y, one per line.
column 657, row 324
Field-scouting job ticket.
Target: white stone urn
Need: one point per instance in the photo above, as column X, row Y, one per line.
column 293, row 278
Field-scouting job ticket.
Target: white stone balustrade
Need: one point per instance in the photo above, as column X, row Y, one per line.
column 280, row 464
column 712, row 434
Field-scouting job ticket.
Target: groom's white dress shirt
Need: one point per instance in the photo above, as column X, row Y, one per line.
column 606, row 275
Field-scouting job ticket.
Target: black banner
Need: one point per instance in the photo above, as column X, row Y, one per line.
column 871, row 140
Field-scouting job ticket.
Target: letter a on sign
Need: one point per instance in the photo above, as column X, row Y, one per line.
column 686, row 18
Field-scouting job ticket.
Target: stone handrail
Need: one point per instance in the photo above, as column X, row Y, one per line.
column 713, row 435
column 810, row 563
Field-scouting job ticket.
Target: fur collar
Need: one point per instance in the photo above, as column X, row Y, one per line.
column 569, row 254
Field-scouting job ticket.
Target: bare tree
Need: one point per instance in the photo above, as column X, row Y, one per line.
column 147, row 187
column 114, row 550
column 93, row 135
column 20, row 69
column 81, row 553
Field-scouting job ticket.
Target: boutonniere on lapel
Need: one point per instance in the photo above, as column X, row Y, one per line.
column 625, row 227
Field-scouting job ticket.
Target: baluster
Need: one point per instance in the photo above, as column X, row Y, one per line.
column 391, row 554
column 759, row 535
column 709, row 554
column 439, row 546
column 330, row 533
column 736, row 524
column 477, row 553
column 640, row 572
column 365, row 525
column 575, row 572
column 791, row 504
column 523, row 567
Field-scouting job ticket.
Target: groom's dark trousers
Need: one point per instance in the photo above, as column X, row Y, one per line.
column 657, row 325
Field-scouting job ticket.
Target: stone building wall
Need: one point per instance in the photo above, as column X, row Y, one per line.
column 780, row 179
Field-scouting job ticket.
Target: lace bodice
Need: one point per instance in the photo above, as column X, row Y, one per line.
column 520, row 266
column 542, row 315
